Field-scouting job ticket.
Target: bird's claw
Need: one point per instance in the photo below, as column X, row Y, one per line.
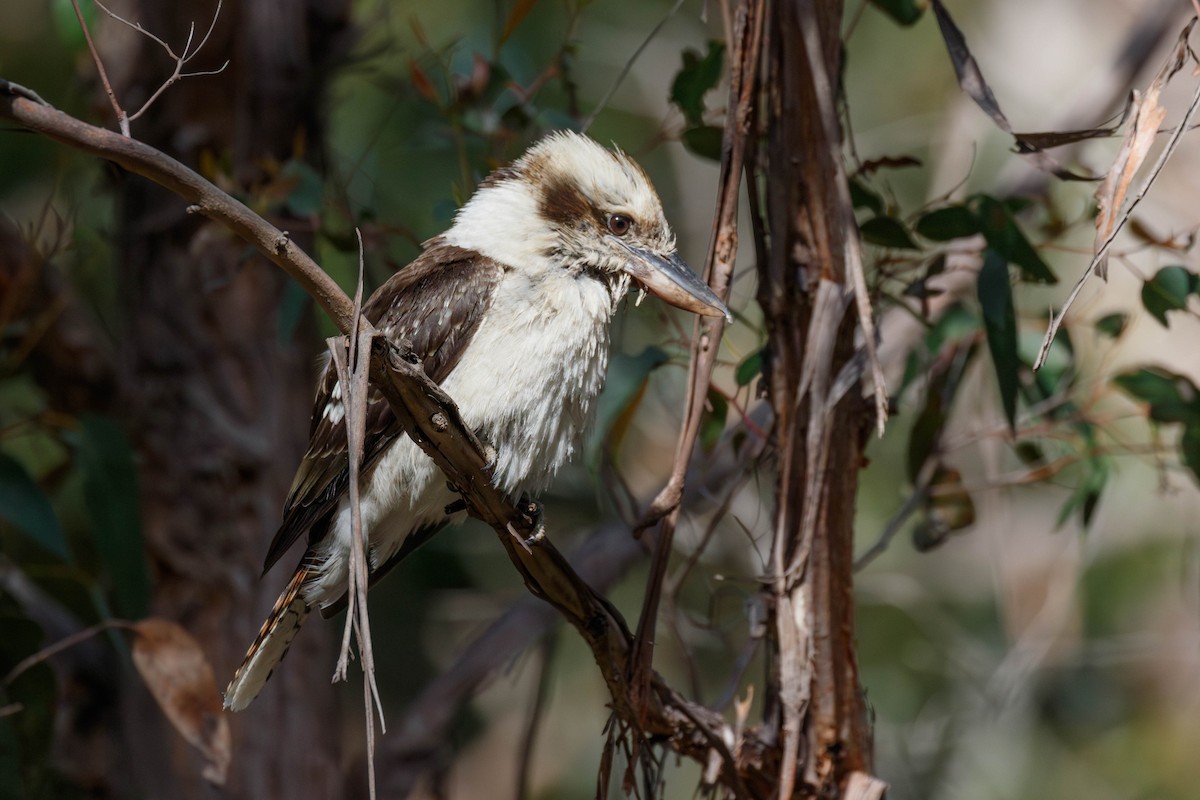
column 531, row 512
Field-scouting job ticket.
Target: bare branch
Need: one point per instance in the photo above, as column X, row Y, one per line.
column 743, row 94
column 180, row 60
column 122, row 119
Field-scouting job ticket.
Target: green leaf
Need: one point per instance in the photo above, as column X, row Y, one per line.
column 294, row 304
column 1000, row 324
column 698, row 76
column 712, row 423
column 905, row 12
column 1003, row 236
column 307, row 196
column 1167, row 291
column 627, row 379
column 25, row 506
column 704, row 141
column 1172, row 397
column 862, row 197
column 1112, row 325
column 951, row 222
column 749, row 369
column 110, row 489
column 1189, row 449
column 939, row 398
column 1086, row 496
column 887, row 232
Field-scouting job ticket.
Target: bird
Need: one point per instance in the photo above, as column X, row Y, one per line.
column 509, row 311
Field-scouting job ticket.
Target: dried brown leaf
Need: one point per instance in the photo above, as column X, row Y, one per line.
column 971, row 81
column 181, row 680
column 1110, row 195
column 887, row 162
column 1147, row 117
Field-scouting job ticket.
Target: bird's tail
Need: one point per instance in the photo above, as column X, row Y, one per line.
column 271, row 645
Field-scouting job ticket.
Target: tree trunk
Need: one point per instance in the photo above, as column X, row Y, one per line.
column 217, row 401
column 814, row 700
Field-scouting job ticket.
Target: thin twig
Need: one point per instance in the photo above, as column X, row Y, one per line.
column 587, row 123
column 122, row 119
column 1057, row 319
column 180, row 60
column 62, row 644
column 719, row 266
column 536, row 713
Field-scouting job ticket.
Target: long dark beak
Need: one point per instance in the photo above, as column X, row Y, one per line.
column 671, row 279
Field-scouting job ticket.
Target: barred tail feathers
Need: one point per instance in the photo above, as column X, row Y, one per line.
column 271, row 645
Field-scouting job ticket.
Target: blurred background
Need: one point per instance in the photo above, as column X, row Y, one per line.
column 1036, row 635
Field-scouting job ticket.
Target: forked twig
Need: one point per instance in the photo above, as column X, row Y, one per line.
column 124, row 119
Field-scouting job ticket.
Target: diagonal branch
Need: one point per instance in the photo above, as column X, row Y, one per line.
column 433, row 422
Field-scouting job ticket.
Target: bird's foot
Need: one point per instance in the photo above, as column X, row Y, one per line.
column 531, row 519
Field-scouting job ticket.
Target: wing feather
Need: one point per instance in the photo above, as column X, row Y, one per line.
column 436, row 303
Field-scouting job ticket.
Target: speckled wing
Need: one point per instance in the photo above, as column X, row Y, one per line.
column 436, row 303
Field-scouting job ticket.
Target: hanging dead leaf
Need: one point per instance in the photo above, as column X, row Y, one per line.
column 1110, row 195
column 1147, row 117
column 971, row 81
column 181, row 680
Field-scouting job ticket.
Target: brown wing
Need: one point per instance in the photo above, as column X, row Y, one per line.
column 436, row 303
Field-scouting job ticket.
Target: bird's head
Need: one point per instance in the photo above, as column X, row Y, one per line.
column 569, row 203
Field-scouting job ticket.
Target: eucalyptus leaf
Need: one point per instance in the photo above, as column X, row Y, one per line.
column 1112, row 325
column 749, row 368
column 905, row 12
column 110, row 489
column 26, row 507
column 1000, row 325
column 698, row 76
column 950, row 222
column 863, row 197
column 1005, row 238
column 887, row 232
column 1167, row 291
column 705, row 141
column 1172, row 397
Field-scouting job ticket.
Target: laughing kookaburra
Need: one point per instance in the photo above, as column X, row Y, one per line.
column 522, row 286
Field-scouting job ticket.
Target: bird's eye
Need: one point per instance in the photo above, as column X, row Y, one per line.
column 619, row 224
